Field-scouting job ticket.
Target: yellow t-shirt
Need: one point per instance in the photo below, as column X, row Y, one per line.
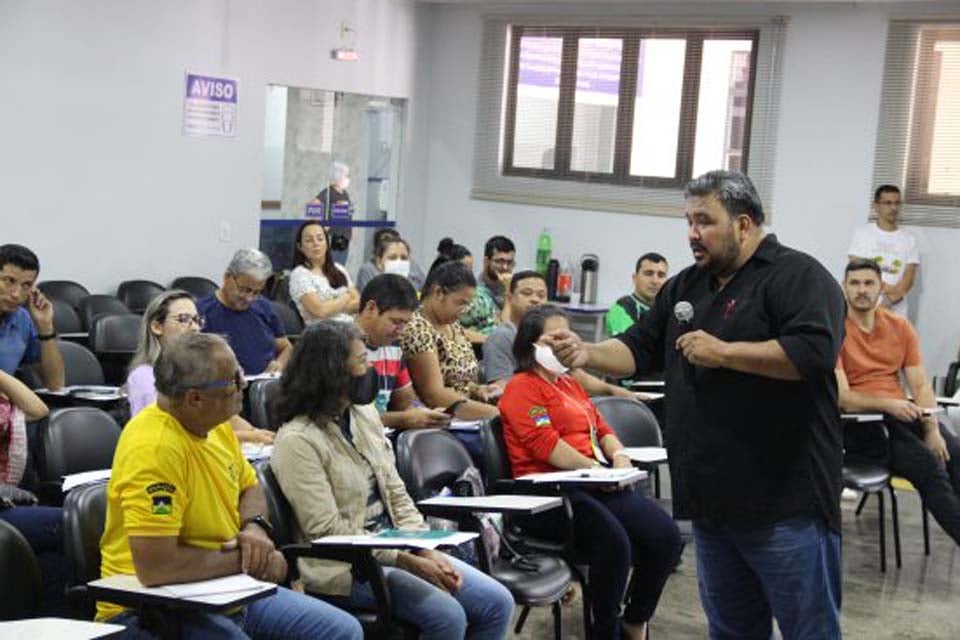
column 168, row 482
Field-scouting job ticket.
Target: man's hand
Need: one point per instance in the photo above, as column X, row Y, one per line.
column 274, row 366
column 568, row 347
column 276, row 568
column 702, row 349
column 505, row 278
column 256, row 547
column 433, row 567
column 903, row 410
column 421, row 418
column 937, row 445
column 41, row 311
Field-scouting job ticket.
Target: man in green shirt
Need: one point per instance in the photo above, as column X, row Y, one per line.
column 648, row 277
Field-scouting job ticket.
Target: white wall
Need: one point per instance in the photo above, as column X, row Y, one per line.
column 832, row 76
column 94, row 172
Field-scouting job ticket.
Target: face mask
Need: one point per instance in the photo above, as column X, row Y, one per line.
column 545, row 358
column 399, row 267
column 363, row 388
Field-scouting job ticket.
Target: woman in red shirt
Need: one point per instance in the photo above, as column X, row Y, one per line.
column 550, row 424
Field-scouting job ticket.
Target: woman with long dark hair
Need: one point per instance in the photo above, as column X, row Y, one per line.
column 336, row 468
column 320, row 287
column 550, row 424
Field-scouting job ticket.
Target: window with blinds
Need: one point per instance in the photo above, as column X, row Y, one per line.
column 620, row 117
column 918, row 142
column 630, row 107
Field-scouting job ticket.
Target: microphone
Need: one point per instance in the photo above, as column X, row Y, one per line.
column 683, row 312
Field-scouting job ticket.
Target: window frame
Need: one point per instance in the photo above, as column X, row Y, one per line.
column 689, row 101
column 917, row 175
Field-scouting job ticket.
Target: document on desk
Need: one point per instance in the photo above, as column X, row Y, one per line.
column 401, row 539
column 466, row 426
column 648, row 455
column 218, row 591
column 75, row 480
column 496, row 504
column 598, row 476
column 647, row 396
column 254, row 451
column 261, row 376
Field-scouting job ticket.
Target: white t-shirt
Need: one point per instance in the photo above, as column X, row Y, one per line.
column 303, row 281
column 892, row 251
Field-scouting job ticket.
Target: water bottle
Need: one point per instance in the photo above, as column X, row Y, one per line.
column 565, row 281
column 543, row 251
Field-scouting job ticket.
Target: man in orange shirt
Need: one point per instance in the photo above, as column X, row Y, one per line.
column 878, row 346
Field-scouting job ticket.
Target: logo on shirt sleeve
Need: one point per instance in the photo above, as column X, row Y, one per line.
column 539, row 416
column 162, row 505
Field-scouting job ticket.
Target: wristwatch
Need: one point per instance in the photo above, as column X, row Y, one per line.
column 261, row 522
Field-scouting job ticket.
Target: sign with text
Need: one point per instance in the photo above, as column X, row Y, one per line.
column 210, row 107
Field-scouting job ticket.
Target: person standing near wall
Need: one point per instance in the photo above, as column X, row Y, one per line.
column 336, row 206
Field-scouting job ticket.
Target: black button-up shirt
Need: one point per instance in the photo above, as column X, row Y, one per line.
column 747, row 449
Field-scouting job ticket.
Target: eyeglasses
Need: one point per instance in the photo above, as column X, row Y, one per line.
column 246, row 292
column 504, row 262
column 237, row 381
column 185, row 319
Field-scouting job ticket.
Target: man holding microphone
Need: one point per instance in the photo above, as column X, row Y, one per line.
column 748, row 339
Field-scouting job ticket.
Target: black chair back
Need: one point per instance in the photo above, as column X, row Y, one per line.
column 98, row 305
column 632, row 421
column 429, row 460
column 65, row 317
column 290, row 317
column 77, row 439
column 19, row 575
column 952, row 380
column 260, row 395
column 114, row 339
column 80, row 366
column 496, row 462
column 280, row 511
column 196, row 286
column 137, row 294
column 84, row 519
column 66, row 290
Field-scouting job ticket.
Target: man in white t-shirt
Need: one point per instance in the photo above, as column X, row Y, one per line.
column 894, row 249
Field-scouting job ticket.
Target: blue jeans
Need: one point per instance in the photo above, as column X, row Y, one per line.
column 480, row 610
column 286, row 614
column 43, row 529
column 789, row 571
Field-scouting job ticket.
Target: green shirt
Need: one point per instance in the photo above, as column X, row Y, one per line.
column 483, row 314
column 625, row 313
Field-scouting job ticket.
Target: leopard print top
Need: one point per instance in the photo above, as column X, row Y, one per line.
column 458, row 364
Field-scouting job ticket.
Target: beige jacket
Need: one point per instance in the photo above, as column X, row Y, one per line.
column 323, row 477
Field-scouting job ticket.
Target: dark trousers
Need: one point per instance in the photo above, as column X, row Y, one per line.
column 612, row 532
column 908, row 457
column 43, row 529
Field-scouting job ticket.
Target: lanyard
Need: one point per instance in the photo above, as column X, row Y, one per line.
column 594, row 438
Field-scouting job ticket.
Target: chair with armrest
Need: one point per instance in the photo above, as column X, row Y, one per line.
column 290, row 317
column 260, row 395
column 19, row 575
column 137, row 294
column 114, row 338
column 97, row 305
column 80, row 366
column 635, row 426
column 66, row 290
column 65, row 317
column 75, row 439
column 376, row 624
column 195, row 285
column 429, row 460
column 499, row 479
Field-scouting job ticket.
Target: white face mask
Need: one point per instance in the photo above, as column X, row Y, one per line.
column 545, row 358
column 399, row 267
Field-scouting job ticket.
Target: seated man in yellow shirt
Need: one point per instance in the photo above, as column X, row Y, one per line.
column 184, row 505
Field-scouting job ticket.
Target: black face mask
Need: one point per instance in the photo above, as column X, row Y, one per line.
column 363, row 388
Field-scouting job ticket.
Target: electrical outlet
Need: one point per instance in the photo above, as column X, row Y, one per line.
column 224, row 231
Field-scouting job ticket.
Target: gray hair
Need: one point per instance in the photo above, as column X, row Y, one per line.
column 338, row 170
column 732, row 189
column 187, row 362
column 148, row 347
column 252, row 262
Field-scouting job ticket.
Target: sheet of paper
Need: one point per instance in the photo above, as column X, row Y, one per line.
column 75, row 480
column 253, row 451
column 501, row 502
column 589, row 476
column 415, row 541
column 650, row 396
column 238, row 583
column 465, row 425
column 50, row 628
column 646, row 454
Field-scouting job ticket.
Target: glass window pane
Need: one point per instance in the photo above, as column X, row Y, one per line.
column 945, row 148
column 538, row 94
column 722, row 105
column 656, row 111
column 595, row 104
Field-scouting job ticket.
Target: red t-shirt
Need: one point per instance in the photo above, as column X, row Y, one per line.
column 537, row 413
column 872, row 361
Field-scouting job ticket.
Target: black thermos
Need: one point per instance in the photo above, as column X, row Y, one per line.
column 553, row 268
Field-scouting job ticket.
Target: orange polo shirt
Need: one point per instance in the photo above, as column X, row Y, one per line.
column 537, row 413
column 872, row 361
